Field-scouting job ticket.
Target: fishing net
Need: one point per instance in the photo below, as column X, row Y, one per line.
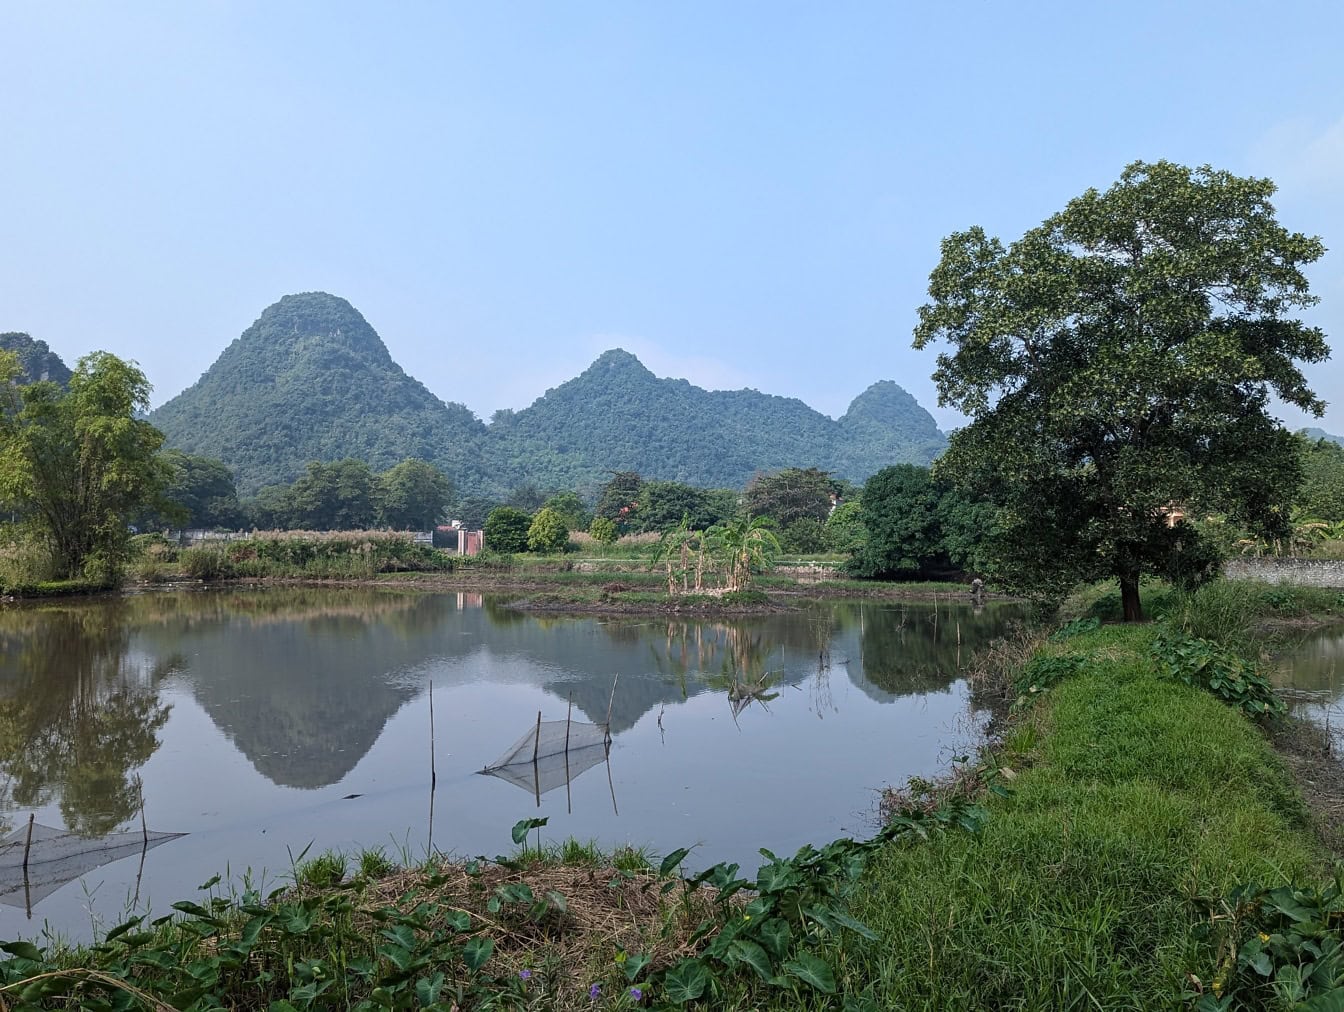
column 551, row 754
column 56, row 857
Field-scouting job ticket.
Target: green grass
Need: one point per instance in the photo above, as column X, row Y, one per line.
column 1135, row 797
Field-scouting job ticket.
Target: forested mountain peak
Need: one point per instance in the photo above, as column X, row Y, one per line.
column 888, row 403
column 311, row 322
column 37, row 361
column 312, row 380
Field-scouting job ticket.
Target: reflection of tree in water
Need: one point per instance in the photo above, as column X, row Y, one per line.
column 76, row 720
column 920, row 648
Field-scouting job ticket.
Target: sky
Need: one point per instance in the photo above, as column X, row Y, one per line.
column 746, row 195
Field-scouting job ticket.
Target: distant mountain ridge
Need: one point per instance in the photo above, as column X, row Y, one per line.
column 1318, row 433
column 312, row 380
column 37, row 361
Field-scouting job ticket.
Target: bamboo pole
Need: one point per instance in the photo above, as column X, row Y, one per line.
column 612, row 702
column 569, row 795
column 28, row 843
column 433, row 773
column 144, row 827
column 536, row 742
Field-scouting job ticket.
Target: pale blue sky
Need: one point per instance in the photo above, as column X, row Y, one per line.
column 745, row 194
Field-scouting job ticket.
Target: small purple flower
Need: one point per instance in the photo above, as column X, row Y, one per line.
column 595, row 992
column 525, row 974
column 636, row 994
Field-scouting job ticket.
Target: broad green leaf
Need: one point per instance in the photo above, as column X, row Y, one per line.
column 672, row 860
column 685, row 982
column 812, row 970
column 745, row 951
column 524, row 826
column 477, row 952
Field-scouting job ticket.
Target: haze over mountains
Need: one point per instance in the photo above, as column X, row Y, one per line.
column 312, row 380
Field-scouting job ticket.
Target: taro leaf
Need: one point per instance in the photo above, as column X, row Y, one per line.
column 214, row 881
column 24, row 950
column 634, row 965
column 524, row 826
column 1261, row 964
column 458, row 920
column 1329, row 1001
column 282, row 1006
column 685, row 982
column 122, row 928
column 812, row 970
column 1283, row 900
column 672, row 860
column 745, row 951
column 196, row 910
column 188, row 996
column 427, row 989
column 477, row 951
column 252, row 929
column 558, row 900
column 858, row 927
column 772, row 878
column 776, row 936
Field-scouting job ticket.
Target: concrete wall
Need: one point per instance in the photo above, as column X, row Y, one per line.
column 1305, row 572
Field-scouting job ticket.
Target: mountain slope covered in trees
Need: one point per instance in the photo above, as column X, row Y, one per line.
column 311, row 380
column 618, row 416
column 37, row 361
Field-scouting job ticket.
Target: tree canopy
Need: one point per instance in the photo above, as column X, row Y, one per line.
column 412, row 496
column 1117, row 363
column 77, row 462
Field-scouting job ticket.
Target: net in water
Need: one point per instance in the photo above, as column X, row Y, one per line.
column 551, row 754
column 56, row 857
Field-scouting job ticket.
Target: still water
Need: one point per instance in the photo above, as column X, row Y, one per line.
column 1315, row 668
column 261, row 723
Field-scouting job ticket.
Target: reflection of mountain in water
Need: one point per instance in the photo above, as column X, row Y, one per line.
column 304, row 681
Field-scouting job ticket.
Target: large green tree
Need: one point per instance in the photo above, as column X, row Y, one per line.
column 1117, row 361
column 791, row 494
column 200, row 493
column 413, row 495
column 78, row 462
column 334, row 497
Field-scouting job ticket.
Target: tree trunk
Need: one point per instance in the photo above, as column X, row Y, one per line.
column 1130, row 604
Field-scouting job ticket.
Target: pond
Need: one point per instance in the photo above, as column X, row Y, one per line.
column 1314, row 670
column 263, row 723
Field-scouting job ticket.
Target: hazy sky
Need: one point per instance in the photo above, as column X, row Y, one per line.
column 744, row 194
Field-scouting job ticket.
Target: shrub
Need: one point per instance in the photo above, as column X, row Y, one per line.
column 603, row 530
column 548, row 531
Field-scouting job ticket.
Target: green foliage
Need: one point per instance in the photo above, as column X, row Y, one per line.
column 412, row 496
column 569, row 507
column 845, row 531
column 1043, row 672
column 619, row 499
column 1119, row 359
column 603, row 529
column 1208, row 666
column 1321, row 496
column 78, row 463
column 900, row 516
column 804, row 536
column 200, row 494
column 506, row 530
column 207, row 562
column 548, row 532
column 791, row 494
column 1281, row 947
column 743, row 547
column 333, row 497
column 663, row 505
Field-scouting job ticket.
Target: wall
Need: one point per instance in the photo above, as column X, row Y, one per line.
column 1306, row 572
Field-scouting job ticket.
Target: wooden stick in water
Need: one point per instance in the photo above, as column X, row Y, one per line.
column 612, row 701
column 433, row 774
column 28, row 844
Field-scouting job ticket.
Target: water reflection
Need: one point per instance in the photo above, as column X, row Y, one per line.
column 1315, row 670
column 79, row 713
column 265, row 719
